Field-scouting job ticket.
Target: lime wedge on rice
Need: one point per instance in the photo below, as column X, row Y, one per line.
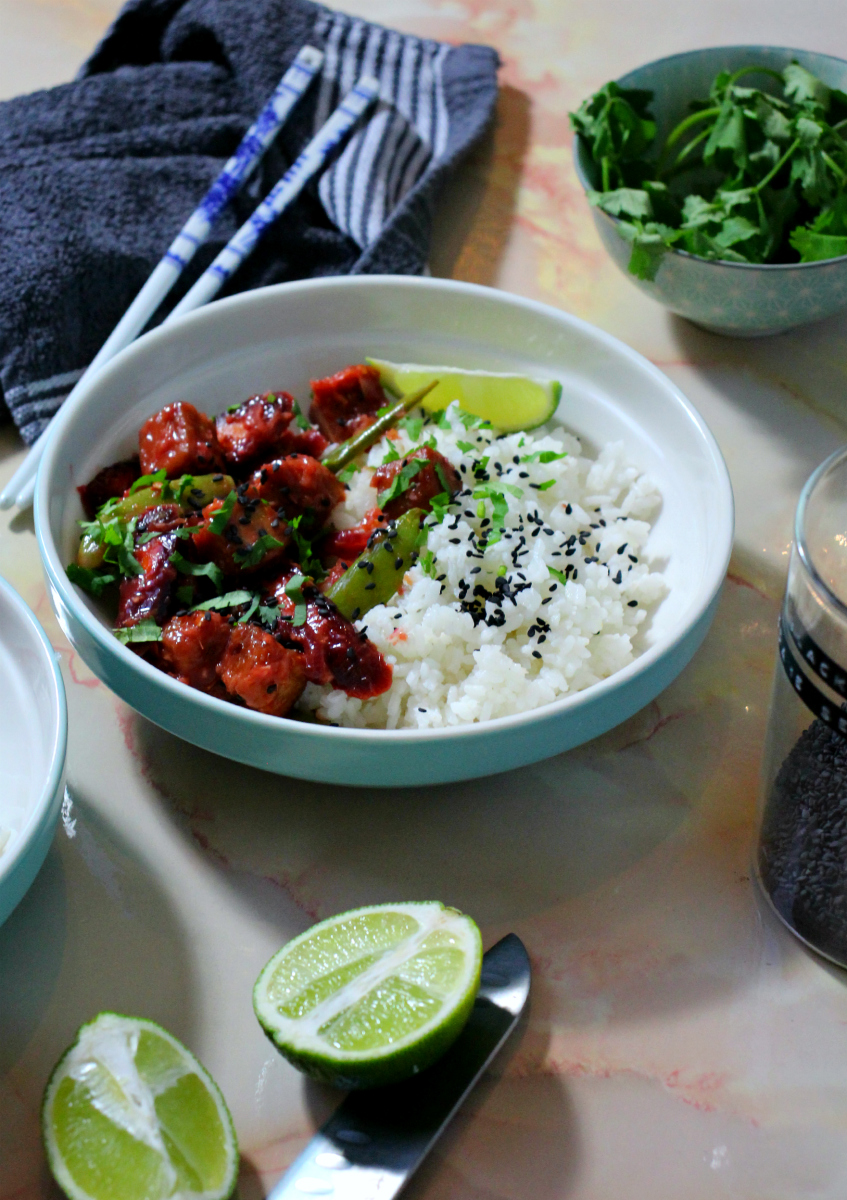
column 373, row 995
column 130, row 1114
column 509, row 402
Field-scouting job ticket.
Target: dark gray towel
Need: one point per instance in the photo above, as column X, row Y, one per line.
column 97, row 176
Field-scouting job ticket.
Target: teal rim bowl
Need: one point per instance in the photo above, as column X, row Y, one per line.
column 281, row 337
column 739, row 299
column 36, row 733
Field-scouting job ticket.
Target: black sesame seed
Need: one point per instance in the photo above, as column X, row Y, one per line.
column 536, row 654
column 632, row 604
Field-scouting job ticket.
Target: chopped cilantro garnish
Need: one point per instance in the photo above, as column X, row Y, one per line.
column 542, row 487
column 228, row 600
column 427, row 561
column 499, row 508
column 94, row 582
column 402, row 481
column 269, row 613
column 148, row 481
column 560, row 575
column 211, row 570
column 299, row 419
column 465, row 447
column 294, row 591
column 348, row 472
column 501, row 570
column 440, row 505
column 412, row 425
column 262, row 546
column 145, row 631
column 513, row 490
column 391, row 455
column 544, row 456
column 254, row 604
column 220, row 518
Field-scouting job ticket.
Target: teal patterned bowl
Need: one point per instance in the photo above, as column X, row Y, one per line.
column 740, row 299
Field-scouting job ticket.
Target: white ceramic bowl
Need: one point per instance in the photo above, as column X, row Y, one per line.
column 281, row 337
column 33, row 739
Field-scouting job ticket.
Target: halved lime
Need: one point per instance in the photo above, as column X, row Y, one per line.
column 509, row 402
column 373, row 995
column 130, row 1114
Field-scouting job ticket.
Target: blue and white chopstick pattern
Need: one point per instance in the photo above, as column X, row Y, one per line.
column 311, row 160
column 253, row 145
column 19, row 490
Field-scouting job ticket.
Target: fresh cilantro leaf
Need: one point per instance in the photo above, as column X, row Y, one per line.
column 543, row 456
column 294, row 591
column 440, row 505
column 465, row 447
column 228, row 600
column 402, row 481
column 94, row 582
column 220, row 518
column 209, row 569
column 262, row 546
column 144, row 631
column 513, row 490
column 148, row 480
column 560, row 575
column 623, row 202
column 391, row 455
column 442, row 477
column 251, row 608
column 347, row 473
column 542, row 487
column 427, row 561
column 269, row 613
column 413, row 426
column 299, row 419
column 816, row 247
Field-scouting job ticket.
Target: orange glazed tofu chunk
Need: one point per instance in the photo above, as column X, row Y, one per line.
column 181, row 440
column 266, row 676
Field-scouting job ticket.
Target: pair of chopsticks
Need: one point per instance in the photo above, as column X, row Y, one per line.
column 20, row 489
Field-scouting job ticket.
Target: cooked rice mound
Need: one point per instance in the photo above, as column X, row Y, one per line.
column 556, row 603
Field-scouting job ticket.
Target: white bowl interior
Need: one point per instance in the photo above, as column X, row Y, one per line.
column 31, row 728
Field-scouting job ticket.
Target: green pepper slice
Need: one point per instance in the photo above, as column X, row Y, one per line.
column 378, row 571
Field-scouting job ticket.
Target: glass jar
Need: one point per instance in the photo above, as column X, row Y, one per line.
column 802, row 850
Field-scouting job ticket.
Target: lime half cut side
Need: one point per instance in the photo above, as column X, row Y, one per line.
column 130, row 1114
column 374, row 995
column 509, row 402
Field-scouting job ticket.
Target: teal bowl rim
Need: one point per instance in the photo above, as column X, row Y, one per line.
column 66, row 591
column 623, row 81
column 58, row 752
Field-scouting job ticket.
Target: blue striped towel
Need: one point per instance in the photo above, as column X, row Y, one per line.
column 97, row 175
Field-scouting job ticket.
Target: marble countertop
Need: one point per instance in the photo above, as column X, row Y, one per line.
column 680, row 1043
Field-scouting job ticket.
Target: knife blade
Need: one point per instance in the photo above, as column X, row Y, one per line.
column 375, row 1140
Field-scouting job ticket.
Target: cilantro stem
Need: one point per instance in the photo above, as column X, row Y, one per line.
column 778, row 167
column 676, row 133
column 754, row 71
column 833, row 166
column 604, row 166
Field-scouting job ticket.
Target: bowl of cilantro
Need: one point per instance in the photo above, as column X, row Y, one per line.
column 718, row 183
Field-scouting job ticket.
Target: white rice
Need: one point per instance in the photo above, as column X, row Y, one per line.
column 550, row 639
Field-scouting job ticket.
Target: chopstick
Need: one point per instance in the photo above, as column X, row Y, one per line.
column 19, row 490
column 309, row 161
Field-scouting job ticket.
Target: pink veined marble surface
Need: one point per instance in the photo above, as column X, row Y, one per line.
column 680, row 1043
